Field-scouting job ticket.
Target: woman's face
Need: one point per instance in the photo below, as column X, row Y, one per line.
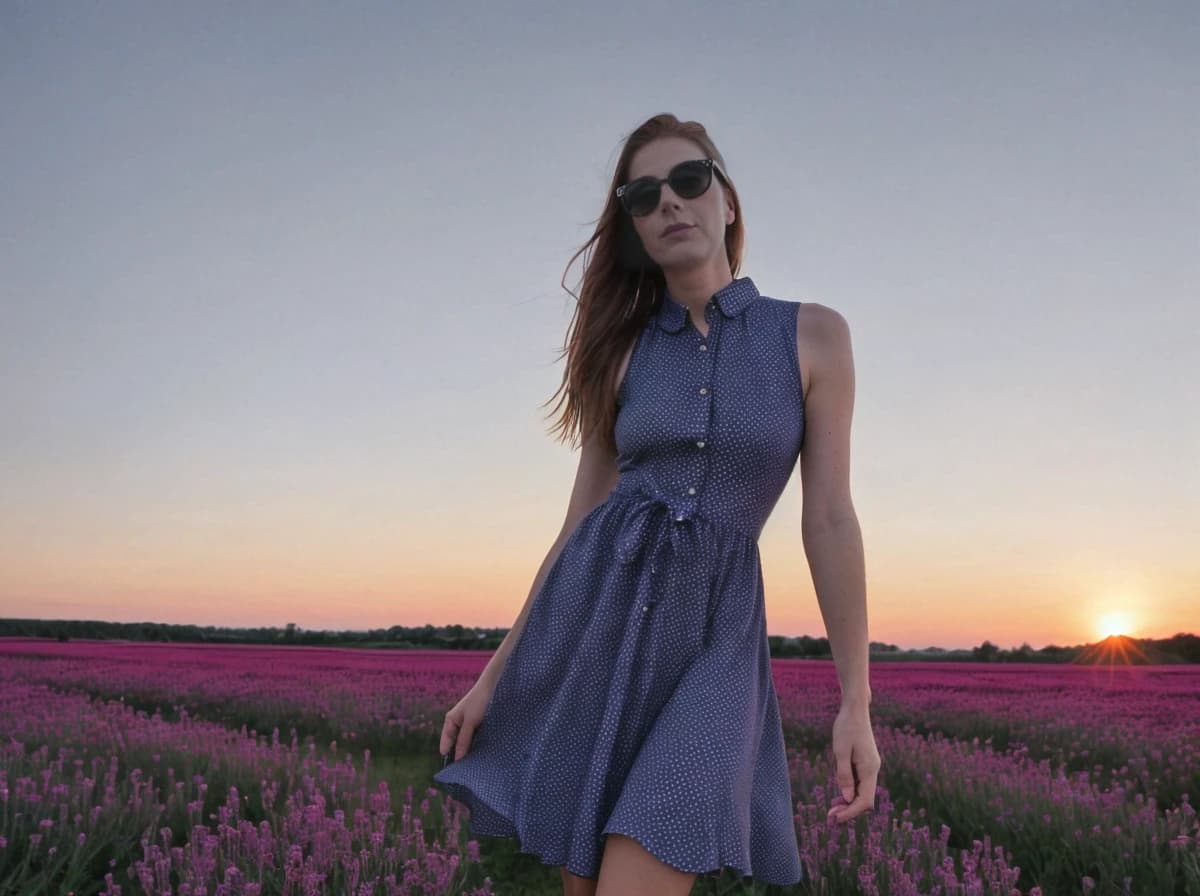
column 708, row 214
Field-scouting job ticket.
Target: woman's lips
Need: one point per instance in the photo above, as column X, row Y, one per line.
column 679, row 230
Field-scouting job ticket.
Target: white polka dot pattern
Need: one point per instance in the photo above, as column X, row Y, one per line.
column 639, row 698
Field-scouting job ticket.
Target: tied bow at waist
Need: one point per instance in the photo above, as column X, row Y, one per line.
column 664, row 537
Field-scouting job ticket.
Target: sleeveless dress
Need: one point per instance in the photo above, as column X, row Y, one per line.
column 639, row 698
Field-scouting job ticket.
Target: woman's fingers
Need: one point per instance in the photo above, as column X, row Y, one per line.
column 449, row 733
column 464, row 741
column 463, row 719
column 845, row 774
column 864, row 801
column 456, row 735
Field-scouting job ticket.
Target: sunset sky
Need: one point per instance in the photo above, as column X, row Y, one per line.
column 281, row 299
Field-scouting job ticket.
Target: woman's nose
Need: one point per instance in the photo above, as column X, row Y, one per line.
column 668, row 196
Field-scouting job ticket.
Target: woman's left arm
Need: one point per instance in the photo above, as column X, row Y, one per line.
column 834, row 548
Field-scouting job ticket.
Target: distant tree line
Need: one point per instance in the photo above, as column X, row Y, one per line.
column 425, row 637
column 1179, row 648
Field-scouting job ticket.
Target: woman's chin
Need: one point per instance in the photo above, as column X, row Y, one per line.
column 683, row 257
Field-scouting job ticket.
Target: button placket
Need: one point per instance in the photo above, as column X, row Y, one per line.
column 707, row 363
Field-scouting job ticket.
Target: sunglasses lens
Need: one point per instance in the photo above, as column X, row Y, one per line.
column 641, row 198
column 690, row 179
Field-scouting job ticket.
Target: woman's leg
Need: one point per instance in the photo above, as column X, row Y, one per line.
column 628, row 869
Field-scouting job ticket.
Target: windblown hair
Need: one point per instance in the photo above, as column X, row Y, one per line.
column 622, row 286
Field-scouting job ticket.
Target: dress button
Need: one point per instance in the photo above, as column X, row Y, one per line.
column 700, row 444
column 703, row 391
column 679, row 518
column 691, row 491
column 703, row 347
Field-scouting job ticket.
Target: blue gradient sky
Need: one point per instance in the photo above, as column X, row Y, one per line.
column 281, row 298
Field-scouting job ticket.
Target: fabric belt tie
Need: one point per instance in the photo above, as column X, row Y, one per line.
column 663, row 535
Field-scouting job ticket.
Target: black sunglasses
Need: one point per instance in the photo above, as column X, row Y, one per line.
column 688, row 179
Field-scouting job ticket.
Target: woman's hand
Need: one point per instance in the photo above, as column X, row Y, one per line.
column 464, row 718
column 858, row 761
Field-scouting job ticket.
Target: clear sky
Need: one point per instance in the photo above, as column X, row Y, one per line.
column 281, row 298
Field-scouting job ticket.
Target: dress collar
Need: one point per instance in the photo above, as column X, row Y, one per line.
column 732, row 299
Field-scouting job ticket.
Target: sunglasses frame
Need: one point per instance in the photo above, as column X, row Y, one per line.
column 711, row 164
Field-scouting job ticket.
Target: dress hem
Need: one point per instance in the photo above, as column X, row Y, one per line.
column 464, row 794
column 469, row 797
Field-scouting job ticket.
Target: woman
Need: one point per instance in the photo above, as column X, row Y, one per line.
column 627, row 728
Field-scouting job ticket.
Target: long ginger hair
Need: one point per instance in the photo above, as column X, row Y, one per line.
column 622, row 286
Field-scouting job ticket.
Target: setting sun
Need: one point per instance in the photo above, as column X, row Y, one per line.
column 1113, row 624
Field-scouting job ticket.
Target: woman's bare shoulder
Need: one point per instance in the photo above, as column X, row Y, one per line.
column 821, row 331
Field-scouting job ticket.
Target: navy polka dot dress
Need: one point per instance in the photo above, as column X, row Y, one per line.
column 639, row 698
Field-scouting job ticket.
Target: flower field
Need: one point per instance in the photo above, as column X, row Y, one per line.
column 200, row 769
